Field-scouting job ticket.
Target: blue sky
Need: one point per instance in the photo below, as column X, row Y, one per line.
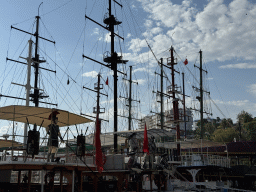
column 223, row 30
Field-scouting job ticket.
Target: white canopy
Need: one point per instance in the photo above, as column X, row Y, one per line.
column 9, row 143
column 40, row 115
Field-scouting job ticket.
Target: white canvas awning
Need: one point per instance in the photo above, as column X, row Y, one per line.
column 40, row 116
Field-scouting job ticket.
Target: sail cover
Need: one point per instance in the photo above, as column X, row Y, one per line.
column 40, row 115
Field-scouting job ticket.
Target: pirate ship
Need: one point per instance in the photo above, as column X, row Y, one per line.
column 135, row 166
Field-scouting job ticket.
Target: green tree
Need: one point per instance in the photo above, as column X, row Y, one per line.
column 245, row 126
column 225, row 123
column 244, row 117
column 204, row 122
column 198, row 130
column 209, row 128
column 250, row 128
column 224, row 135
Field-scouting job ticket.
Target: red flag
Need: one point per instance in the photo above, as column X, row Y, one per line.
column 98, row 159
column 145, row 143
column 107, row 81
column 185, row 62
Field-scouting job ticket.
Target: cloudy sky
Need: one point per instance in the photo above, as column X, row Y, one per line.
column 223, row 29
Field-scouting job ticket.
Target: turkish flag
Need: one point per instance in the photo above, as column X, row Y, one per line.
column 185, row 62
column 107, row 81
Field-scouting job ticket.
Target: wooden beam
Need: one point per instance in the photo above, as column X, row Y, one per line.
column 19, row 175
column 95, row 183
column 29, row 180
column 120, row 182
column 61, row 180
column 81, row 181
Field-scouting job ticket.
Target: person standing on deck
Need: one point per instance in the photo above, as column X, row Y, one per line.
column 53, row 131
column 149, row 158
column 133, row 143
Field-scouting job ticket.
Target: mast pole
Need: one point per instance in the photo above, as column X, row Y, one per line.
column 114, row 67
column 130, row 100
column 98, row 99
column 36, row 66
column 175, row 105
column 184, row 106
column 201, row 96
column 162, row 100
column 28, row 87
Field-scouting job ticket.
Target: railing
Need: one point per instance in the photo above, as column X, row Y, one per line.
column 20, row 158
column 118, row 161
column 200, row 160
column 183, row 186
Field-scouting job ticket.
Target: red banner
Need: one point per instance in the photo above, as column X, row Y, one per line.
column 145, row 143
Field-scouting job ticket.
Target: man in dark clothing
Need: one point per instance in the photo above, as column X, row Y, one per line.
column 53, row 142
column 133, row 142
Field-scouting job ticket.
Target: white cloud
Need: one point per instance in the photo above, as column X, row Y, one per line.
column 239, row 66
column 156, row 30
column 107, row 101
column 96, row 31
column 107, row 38
column 90, row 74
column 166, row 12
column 148, row 23
column 137, row 44
column 140, row 70
column 4, row 129
column 235, row 107
column 238, row 103
column 140, row 81
column 222, row 31
column 212, row 17
column 252, row 89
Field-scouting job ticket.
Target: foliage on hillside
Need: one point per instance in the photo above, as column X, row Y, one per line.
column 226, row 131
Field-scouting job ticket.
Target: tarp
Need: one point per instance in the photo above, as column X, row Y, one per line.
column 151, row 132
column 106, row 140
column 40, row 115
column 191, row 143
